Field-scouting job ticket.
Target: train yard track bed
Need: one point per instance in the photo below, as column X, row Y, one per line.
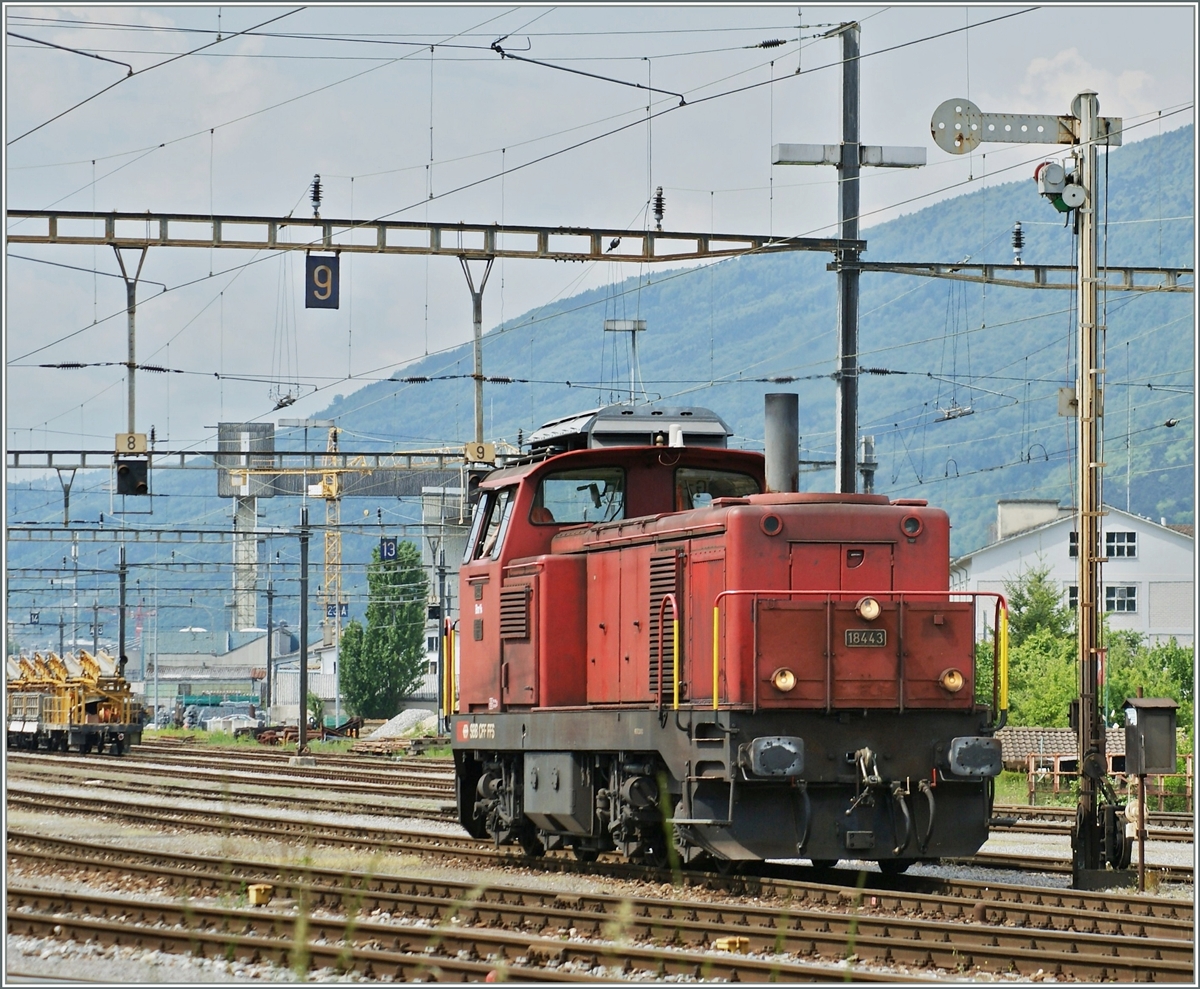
column 378, row 898
column 798, row 932
column 161, row 787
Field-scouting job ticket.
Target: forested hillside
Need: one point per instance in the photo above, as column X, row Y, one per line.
column 929, row 346
column 959, row 388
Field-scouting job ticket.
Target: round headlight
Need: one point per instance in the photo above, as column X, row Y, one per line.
column 952, row 680
column 784, row 680
column 868, row 609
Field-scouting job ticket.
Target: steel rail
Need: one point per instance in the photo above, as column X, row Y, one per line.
column 1178, row 835
column 307, row 802
column 1037, row 907
column 1039, row 863
column 1177, row 820
column 350, row 943
column 291, row 776
column 191, row 938
column 839, row 929
column 913, row 893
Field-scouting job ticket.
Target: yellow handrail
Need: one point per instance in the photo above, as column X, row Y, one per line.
column 1002, row 653
column 716, row 651
column 448, row 674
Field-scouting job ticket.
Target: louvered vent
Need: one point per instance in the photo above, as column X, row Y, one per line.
column 664, row 580
column 514, row 612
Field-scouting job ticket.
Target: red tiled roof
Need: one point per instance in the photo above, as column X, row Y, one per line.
column 1018, row 742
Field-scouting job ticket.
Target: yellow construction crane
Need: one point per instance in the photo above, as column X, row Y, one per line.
column 330, row 486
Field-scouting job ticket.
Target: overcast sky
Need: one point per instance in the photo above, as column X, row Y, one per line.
column 356, row 95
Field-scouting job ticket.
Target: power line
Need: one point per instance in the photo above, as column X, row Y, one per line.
column 149, row 68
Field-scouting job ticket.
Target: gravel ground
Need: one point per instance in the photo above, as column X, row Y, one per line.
column 44, row 958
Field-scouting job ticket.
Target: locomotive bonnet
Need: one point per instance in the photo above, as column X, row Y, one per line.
column 661, row 657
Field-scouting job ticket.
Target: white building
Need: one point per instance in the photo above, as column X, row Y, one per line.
column 1148, row 578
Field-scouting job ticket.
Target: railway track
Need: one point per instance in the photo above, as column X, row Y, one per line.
column 1162, row 826
column 394, row 784
column 798, row 920
column 372, row 839
column 283, row 754
column 433, row 779
column 157, row 787
column 1049, row 812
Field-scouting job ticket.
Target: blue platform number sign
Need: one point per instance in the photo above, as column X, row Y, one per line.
column 387, row 549
column 35, row 617
column 344, row 610
column 331, row 611
column 321, row 281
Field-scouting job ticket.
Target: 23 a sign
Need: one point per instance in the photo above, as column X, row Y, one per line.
column 321, row 281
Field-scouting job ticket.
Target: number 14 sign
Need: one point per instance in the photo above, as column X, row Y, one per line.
column 321, row 281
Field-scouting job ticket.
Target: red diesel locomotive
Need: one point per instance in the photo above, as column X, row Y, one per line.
column 657, row 653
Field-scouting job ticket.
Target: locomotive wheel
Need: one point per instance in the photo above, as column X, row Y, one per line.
column 585, row 854
column 727, row 867
column 531, row 844
column 85, row 746
column 117, row 747
column 894, row 867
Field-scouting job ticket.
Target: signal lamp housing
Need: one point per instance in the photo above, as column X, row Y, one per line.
column 868, row 609
column 784, row 680
column 952, row 680
column 133, row 476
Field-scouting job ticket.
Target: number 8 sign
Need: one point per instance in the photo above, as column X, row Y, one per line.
column 321, row 281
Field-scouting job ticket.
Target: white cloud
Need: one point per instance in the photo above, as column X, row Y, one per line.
column 1050, row 84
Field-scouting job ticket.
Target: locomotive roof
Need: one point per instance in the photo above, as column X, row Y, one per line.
column 631, row 425
column 707, row 456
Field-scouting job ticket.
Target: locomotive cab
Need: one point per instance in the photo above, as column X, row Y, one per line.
column 653, row 645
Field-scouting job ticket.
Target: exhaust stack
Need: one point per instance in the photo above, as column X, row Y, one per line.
column 781, row 434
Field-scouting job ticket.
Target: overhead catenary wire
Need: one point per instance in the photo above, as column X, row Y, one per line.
column 506, row 170
column 149, row 68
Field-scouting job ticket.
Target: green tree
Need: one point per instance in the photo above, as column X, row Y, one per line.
column 1040, row 635
column 1164, row 670
column 1035, row 603
column 1041, row 679
column 383, row 662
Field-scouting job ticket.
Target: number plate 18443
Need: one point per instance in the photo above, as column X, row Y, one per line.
column 866, row 637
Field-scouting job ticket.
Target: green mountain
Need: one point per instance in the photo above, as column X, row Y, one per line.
column 932, row 347
column 959, row 389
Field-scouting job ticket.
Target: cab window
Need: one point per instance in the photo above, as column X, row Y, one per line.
column 595, row 494
column 697, row 487
column 491, row 523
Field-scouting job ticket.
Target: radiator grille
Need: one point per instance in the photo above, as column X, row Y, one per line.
column 514, row 612
column 664, row 580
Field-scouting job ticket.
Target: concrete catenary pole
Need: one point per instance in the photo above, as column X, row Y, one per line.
column 848, row 274
column 302, row 689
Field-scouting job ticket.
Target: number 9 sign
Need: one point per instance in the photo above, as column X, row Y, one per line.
column 321, row 281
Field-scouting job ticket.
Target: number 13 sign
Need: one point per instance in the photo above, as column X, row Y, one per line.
column 321, row 282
